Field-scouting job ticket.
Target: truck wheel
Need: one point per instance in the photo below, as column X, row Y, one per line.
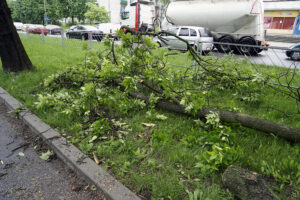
column 249, row 51
column 225, row 48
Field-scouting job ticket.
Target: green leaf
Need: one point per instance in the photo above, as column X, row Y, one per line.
column 46, row 156
column 93, row 139
column 21, row 154
column 161, row 117
column 93, row 187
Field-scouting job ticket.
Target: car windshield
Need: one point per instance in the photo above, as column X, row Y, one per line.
column 52, row 26
column 173, row 30
column 294, row 46
column 90, row 28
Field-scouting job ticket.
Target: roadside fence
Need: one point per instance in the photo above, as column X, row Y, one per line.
column 64, row 40
column 256, row 55
column 253, row 54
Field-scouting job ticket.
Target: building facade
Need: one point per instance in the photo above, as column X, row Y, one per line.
column 282, row 17
column 115, row 8
column 119, row 10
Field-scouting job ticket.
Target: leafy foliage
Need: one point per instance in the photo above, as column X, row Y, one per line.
column 32, row 11
column 99, row 94
column 95, row 13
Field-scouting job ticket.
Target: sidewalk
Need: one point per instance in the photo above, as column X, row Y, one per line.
column 28, row 176
column 281, row 44
column 283, row 38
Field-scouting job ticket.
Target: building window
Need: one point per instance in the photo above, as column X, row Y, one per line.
column 268, row 22
column 124, row 15
column 286, row 23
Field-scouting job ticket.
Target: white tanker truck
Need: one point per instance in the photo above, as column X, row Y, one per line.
column 231, row 21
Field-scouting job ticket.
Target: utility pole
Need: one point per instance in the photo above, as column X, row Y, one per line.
column 109, row 11
column 45, row 13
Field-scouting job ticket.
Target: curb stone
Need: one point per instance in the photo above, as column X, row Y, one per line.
column 70, row 154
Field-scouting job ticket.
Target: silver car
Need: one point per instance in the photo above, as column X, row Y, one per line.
column 199, row 37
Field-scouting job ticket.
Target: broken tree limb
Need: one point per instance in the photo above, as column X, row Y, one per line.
column 247, row 185
column 284, row 131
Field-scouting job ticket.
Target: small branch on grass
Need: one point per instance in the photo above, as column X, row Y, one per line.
column 113, row 52
column 157, row 90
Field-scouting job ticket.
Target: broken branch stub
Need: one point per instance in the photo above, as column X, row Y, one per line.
column 247, row 185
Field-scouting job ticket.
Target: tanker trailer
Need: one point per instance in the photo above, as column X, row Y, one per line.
column 231, row 21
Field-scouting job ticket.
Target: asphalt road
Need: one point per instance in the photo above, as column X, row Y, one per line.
column 27, row 176
column 275, row 57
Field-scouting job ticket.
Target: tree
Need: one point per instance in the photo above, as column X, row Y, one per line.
column 27, row 11
column 13, row 55
column 96, row 13
column 165, row 1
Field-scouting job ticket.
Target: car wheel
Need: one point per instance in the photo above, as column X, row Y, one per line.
column 205, row 53
column 83, row 37
column 294, row 56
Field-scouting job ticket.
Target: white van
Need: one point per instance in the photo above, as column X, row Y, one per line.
column 18, row 25
column 109, row 29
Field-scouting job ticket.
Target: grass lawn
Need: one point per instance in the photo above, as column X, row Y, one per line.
column 165, row 161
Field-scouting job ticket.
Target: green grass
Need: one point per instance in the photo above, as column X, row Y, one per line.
column 159, row 163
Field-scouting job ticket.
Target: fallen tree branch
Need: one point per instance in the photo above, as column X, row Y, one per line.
column 157, row 90
column 283, row 131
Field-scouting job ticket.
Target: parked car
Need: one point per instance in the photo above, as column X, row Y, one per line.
column 198, row 37
column 109, row 29
column 18, row 25
column 37, row 29
column 294, row 52
column 25, row 27
column 82, row 32
column 54, row 29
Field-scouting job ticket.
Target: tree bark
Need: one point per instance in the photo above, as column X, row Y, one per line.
column 13, row 55
column 247, row 185
column 287, row 132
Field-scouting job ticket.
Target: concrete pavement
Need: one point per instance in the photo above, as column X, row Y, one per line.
column 30, row 177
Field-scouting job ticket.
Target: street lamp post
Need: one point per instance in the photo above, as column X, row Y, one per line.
column 45, row 13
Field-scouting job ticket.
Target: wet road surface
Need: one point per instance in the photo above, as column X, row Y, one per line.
column 24, row 177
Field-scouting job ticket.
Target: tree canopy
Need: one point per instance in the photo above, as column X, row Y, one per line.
column 95, row 13
column 32, row 11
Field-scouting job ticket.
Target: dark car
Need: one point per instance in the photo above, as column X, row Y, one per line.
column 82, row 32
column 294, row 52
column 54, row 29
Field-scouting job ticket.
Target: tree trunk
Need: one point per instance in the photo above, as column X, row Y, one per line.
column 287, row 132
column 247, row 185
column 13, row 55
